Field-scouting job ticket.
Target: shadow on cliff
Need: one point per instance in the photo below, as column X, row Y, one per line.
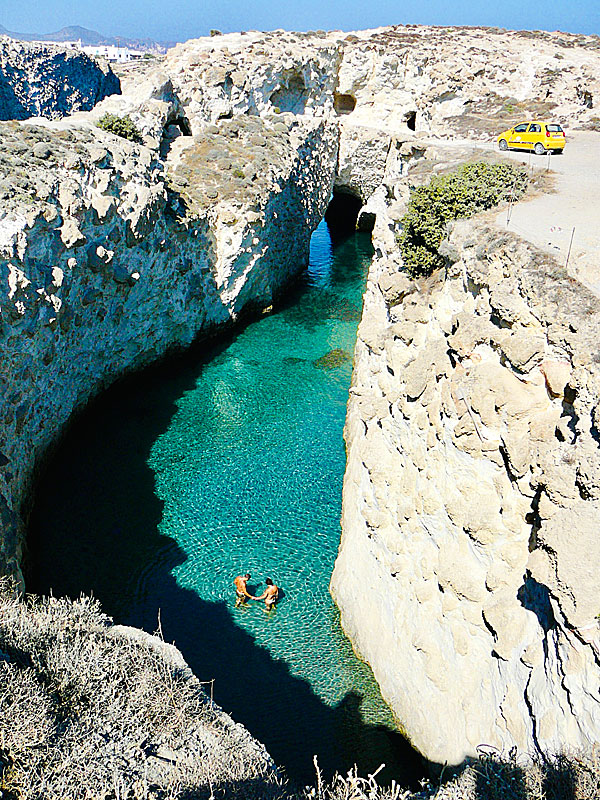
column 11, row 106
column 94, row 526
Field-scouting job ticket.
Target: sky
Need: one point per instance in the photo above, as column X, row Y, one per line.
column 178, row 20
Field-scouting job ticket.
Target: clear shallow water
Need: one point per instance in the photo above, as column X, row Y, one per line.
column 227, row 461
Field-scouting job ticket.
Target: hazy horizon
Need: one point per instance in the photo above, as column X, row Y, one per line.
column 185, row 20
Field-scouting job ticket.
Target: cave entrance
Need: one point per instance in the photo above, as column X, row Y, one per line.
column 183, row 124
column 411, row 120
column 342, row 212
column 173, row 129
column 292, row 95
column 344, row 103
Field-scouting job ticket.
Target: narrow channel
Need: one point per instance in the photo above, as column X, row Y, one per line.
column 231, row 460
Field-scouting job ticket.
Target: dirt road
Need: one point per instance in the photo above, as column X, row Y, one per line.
column 572, row 210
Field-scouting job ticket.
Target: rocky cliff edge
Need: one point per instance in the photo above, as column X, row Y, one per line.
column 468, row 569
column 43, row 80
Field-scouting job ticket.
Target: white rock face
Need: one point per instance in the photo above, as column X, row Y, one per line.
column 468, row 570
column 468, row 80
column 117, row 265
column 472, row 82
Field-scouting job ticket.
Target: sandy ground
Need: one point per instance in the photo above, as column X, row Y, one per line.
column 571, row 211
column 568, row 215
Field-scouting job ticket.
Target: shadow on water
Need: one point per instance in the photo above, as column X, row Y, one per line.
column 99, row 485
column 95, row 525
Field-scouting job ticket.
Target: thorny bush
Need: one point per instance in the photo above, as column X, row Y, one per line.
column 473, row 187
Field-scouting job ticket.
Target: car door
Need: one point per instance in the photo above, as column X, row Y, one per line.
column 518, row 135
column 533, row 135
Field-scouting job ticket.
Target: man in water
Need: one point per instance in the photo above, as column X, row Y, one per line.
column 241, row 592
column 270, row 595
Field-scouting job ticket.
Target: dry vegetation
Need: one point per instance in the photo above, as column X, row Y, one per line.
column 90, row 711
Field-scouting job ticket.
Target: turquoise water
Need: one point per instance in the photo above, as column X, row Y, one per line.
column 227, row 461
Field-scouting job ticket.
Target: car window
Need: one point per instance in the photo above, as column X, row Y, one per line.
column 535, row 128
column 521, row 128
column 554, row 128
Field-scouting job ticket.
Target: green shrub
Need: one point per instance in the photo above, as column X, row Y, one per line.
column 121, row 126
column 473, row 187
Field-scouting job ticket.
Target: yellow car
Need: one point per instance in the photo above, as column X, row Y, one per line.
column 537, row 136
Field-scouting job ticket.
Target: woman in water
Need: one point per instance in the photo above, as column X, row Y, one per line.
column 270, row 594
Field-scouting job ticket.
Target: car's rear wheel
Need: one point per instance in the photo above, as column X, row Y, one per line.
column 539, row 149
column 503, row 144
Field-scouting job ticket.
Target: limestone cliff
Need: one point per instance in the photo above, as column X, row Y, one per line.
column 468, row 569
column 39, row 80
column 106, row 265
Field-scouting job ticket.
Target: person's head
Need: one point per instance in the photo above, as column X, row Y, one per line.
column 269, row 582
column 247, row 576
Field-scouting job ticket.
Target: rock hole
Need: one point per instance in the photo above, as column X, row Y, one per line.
column 226, row 115
column 174, row 128
column 342, row 212
column 535, row 597
column 365, row 221
column 344, row 103
column 292, row 94
column 533, row 518
column 411, row 120
column 558, row 434
column 500, row 323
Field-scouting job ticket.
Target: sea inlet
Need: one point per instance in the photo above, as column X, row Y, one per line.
column 225, row 461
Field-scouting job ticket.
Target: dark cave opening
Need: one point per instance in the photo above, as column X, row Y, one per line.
column 411, row 120
column 292, row 94
column 183, row 124
column 342, row 212
column 344, row 103
column 173, row 129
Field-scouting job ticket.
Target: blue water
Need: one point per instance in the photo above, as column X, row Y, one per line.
column 228, row 461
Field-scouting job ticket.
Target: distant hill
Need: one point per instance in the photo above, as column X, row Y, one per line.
column 73, row 33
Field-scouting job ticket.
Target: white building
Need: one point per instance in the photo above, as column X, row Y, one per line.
column 108, row 51
column 112, row 53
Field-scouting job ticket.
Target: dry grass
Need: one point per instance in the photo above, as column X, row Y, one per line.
column 490, row 777
column 88, row 711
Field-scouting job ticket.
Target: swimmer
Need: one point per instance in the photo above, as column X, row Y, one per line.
column 270, row 595
column 241, row 592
